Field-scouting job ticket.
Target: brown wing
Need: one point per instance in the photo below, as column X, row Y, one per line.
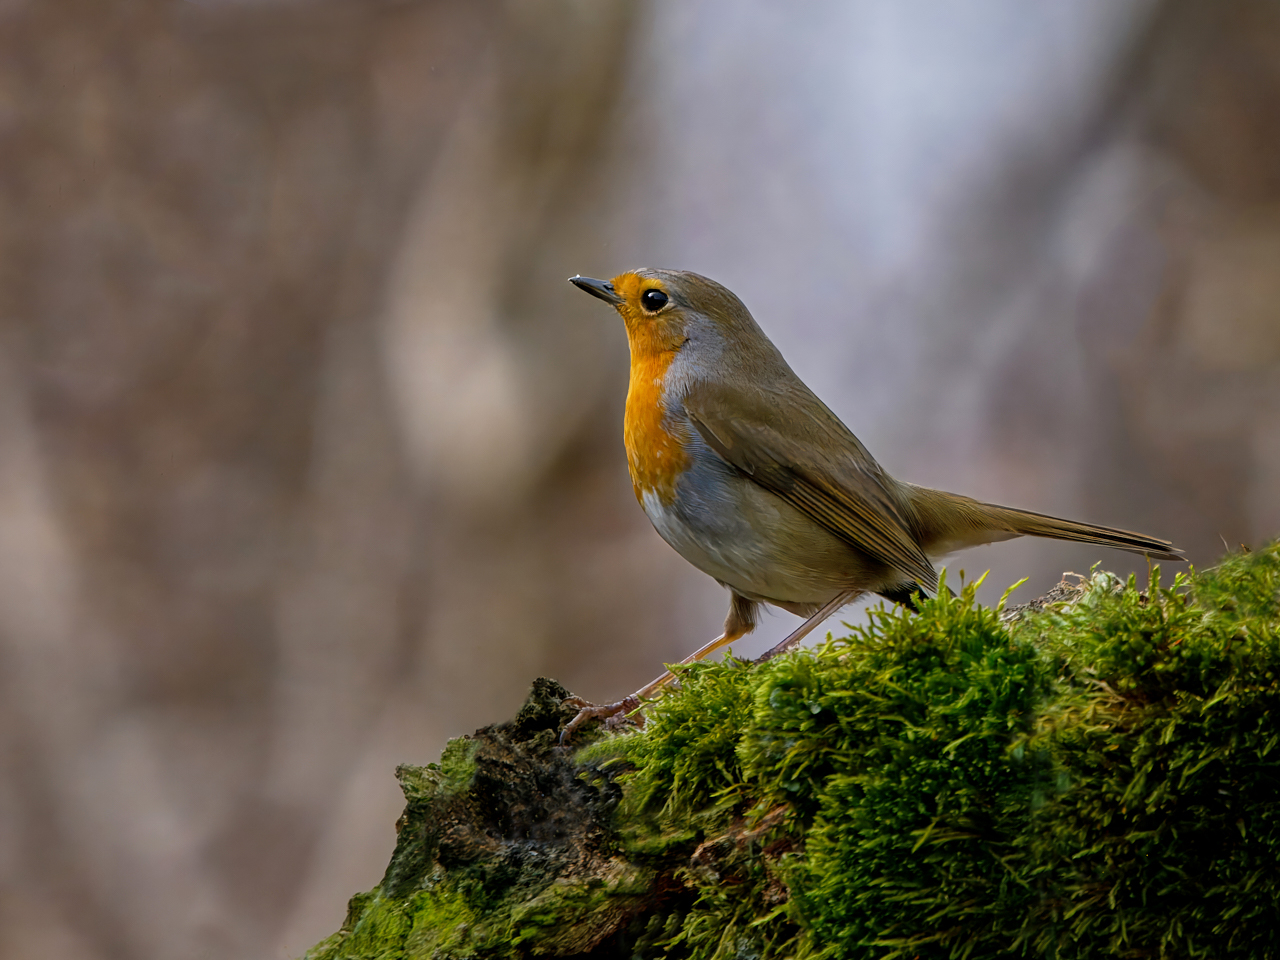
column 843, row 490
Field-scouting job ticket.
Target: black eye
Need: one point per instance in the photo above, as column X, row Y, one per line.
column 653, row 300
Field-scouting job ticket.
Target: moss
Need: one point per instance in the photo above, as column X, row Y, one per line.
column 918, row 780
column 895, row 764
column 454, row 774
column 1165, row 728
column 573, row 914
column 1095, row 776
column 499, row 842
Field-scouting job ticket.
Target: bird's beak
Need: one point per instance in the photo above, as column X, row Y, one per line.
column 597, row 288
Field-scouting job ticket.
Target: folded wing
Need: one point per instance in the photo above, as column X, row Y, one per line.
column 846, row 492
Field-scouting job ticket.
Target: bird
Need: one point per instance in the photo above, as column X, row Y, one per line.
column 756, row 482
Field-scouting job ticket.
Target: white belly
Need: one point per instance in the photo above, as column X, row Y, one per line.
column 757, row 544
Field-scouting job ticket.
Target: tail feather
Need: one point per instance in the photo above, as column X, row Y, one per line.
column 1029, row 524
column 947, row 521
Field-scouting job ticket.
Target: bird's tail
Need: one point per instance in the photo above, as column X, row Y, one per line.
column 1039, row 525
column 949, row 521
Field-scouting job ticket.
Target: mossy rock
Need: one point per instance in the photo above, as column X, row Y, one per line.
column 1093, row 775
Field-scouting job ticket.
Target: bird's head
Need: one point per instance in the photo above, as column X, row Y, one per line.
column 666, row 309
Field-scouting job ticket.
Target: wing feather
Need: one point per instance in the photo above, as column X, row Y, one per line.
column 846, row 492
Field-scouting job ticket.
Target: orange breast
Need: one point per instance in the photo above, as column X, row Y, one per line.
column 655, row 456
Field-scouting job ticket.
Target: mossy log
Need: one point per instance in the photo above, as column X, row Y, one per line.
column 1094, row 775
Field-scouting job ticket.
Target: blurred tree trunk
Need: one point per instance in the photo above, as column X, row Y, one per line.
column 1162, row 264
column 219, row 563
column 307, row 450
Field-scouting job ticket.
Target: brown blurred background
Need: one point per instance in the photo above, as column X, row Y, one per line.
column 310, row 458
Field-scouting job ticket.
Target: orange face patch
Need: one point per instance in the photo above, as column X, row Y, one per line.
column 655, row 454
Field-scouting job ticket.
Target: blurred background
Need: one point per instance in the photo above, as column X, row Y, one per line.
column 311, row 459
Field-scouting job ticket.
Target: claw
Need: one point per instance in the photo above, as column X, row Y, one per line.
column 614, row 714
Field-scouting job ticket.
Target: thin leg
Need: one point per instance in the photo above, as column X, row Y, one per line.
column 595, row 711
column 807, row 627
column 653, row 686
column 591, row 711
column 740, row 621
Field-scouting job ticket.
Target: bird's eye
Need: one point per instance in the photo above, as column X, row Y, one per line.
column 653, row 300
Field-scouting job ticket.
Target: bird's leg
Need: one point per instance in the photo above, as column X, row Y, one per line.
column 594, row 711
column 806, row 628
column 726, row 638
column 740, row 621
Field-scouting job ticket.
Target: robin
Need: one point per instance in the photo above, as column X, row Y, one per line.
column 753, row 480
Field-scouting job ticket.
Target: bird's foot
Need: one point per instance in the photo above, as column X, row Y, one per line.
column 616, row 715
column 802, row 631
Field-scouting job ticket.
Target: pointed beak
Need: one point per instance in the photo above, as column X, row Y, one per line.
column 597, row 288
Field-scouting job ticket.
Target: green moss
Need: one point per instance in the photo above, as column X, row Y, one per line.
column 919, row 776
column 435, row 923
column 454, row 774
column 900, row 757
column 572, row 914
column 1166, row 730
column 1096, row 778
